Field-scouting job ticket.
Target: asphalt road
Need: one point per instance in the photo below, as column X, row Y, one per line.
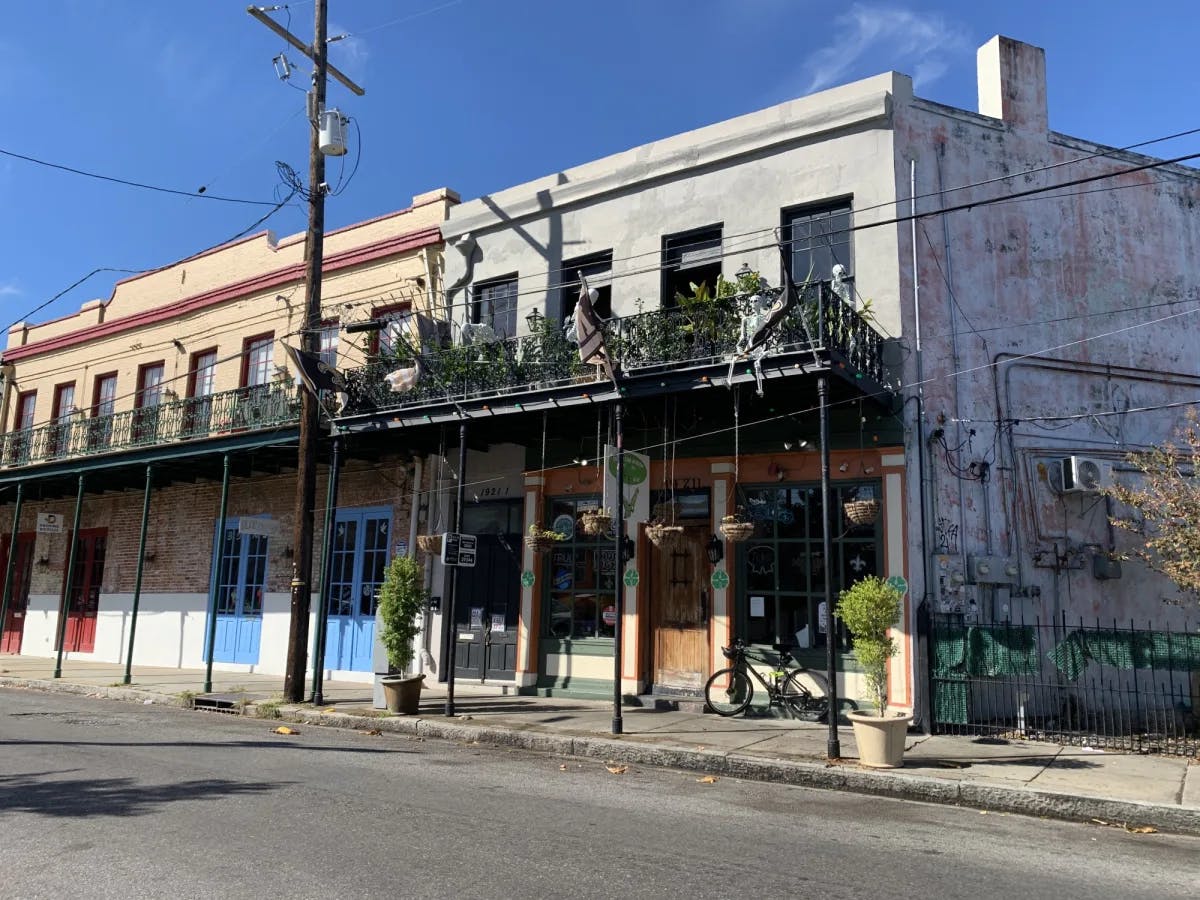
column 105, row 799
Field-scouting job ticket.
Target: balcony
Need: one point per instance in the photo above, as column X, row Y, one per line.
column 193, row 418
column 683, row 344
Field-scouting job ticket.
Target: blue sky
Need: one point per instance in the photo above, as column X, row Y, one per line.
column 478, row 95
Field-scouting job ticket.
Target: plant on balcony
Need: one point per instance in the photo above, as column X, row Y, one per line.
column 542, row 540
column 596, row 522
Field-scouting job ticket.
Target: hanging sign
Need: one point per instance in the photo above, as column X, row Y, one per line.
column 636, row 490
column 459, row 549
column 527, row 578
column 49, row 523
column 631, row 578
column 720, row 579
column 898, row 582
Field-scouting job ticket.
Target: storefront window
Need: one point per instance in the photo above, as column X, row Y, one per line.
column 580, row 575
column 783, row 570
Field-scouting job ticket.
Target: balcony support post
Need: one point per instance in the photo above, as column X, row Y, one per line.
column 451, row 612
column 137, row 579
column 833, row 747
column 12, row 558
column 618, row 724
column 64, row 608
column 218, row 549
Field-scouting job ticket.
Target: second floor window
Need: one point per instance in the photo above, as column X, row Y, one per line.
column 496, row 305
column 203, row 374
column 105, row 399
column 64, row 402
column 690, row 257
column 819, row 238
column 256, row 366
column 597, row 269
column 150, row 386
column 26, row 405
column 393, row 335
column 328, row 338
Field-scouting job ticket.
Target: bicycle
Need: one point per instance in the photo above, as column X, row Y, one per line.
column 730, row 690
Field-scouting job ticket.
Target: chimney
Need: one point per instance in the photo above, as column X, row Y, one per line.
column 1012, row 83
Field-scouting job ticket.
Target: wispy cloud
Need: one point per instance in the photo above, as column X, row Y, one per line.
column 924, row 44
column 349, row 54
column 8, row 289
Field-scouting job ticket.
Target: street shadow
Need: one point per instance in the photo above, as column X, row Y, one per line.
column 1040, row 762
column 282, row 743
column 92, row 797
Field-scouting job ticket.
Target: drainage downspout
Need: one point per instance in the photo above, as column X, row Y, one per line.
column 921, row 705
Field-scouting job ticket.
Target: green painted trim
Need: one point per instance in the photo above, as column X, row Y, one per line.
column 577, row 646
column 581, row 688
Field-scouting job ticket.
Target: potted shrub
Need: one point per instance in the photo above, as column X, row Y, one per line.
column 402, row 599
column 870, row 607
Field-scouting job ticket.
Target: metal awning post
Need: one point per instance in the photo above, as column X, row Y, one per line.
column 12, row 557
column 137, row 580
column 833, row 747
column 65, row 607
column 331, row 491
column 618, row 724
column 219, row 548
column 458, row 524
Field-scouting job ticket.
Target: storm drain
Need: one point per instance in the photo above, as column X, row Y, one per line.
column 230, row 704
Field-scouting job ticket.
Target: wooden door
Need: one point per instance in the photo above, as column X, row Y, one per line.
column 84, row 597
column 487, row 609
column 679, row 608
column 14, row 622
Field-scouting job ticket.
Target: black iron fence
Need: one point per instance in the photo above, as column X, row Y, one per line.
column 1098, row 684
column 241, row 409
column 645, row 343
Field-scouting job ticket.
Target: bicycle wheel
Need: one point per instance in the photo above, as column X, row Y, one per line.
column 728, row 692
column 802, row 703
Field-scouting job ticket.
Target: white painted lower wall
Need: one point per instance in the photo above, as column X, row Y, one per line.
column 171, row 631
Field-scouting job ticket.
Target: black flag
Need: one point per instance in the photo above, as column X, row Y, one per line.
column 785, row 304
column 317, row 375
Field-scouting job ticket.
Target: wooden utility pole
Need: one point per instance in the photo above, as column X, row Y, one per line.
column 306, row 464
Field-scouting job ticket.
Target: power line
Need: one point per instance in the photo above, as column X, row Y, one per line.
column 137, row 184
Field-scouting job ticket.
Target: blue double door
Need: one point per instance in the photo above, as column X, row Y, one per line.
column 241, row 580
column 358, row 559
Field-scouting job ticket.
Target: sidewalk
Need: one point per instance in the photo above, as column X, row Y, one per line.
column 1074, row 783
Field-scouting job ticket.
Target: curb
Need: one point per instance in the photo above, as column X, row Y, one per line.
column 819, row 775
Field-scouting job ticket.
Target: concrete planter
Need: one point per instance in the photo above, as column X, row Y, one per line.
column 880, row 739
column 402, row 693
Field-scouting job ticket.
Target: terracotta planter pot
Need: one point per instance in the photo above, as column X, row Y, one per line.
column 402, row 693
column 880, row 739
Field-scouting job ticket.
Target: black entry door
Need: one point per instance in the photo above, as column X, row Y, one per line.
column 489, row 595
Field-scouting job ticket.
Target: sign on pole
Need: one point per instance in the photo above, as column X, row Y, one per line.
column 459, row 549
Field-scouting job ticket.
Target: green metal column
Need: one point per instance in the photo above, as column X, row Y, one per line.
column 331, row 492
column 12, row 557
column 212, row 594
column 137, row 581
column 65, row 606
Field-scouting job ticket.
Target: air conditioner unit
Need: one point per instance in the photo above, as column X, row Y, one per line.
column 1085, row 475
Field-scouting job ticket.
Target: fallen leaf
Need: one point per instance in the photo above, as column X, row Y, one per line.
column 617, row 770
column 1099, row 822
column 707, row 779
column 330, row 709
column 1143, row 829
column 563, row 767
column 373, row 732
column 283, row 729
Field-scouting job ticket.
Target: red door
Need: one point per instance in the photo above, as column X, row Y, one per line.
column 14, row 622
column 85, row 591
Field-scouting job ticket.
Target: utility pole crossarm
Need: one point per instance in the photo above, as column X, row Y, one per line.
column 304, row 48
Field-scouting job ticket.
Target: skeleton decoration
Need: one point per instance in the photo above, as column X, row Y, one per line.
column 840, row 286
column 752, row 323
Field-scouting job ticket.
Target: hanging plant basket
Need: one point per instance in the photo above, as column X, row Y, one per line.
column 429, row 544
column 539, row 540
column 596, row 522
column 663, row 536
column 862, row 512
column 736, row 529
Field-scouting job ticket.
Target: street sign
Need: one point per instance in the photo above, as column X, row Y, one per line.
column 49, row 523
column 259, row 525
column 459, row 549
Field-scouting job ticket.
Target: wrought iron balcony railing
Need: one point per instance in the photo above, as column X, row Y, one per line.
column 652, row 342
column 242, row 409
